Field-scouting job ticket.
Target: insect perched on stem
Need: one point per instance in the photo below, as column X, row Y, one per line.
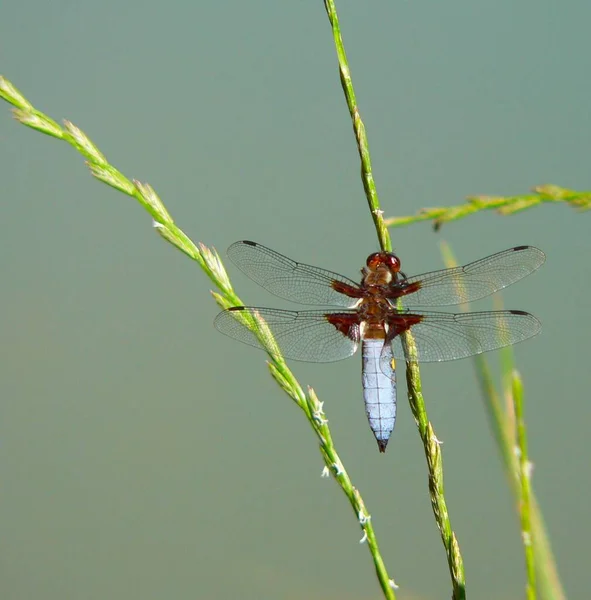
column 375, row 312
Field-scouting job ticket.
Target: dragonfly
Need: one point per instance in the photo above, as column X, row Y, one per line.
column 376, row 312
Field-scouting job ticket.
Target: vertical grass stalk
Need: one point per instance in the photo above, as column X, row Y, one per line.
column 430, row 445
column 524, row 477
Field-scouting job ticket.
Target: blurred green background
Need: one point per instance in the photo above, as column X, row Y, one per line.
column 144, row 455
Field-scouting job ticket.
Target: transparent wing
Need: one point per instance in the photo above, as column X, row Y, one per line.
column 306, row 335
column 288, row 279
column 447, row 336
column 474, row 280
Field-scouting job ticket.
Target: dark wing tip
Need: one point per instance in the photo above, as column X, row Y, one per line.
column 534, row 325
column 236, row 245
column 535, row 257
column 531, row 249
column 382, row 445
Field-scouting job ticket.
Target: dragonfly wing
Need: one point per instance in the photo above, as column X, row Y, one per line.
column 288, row 279
column 447, row 336
column 306, row 335
column 475, row 280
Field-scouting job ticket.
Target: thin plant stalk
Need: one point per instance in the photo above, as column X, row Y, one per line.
column 359, row 128
column 503, row 205
column 434, row 458
column 413, row 378
column 524, row 477
column 210, row 262
column 502, row 422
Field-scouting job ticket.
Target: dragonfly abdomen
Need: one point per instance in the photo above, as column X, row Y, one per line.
column 379, row 389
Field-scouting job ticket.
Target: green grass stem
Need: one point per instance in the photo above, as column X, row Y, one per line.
column 210, row 262
column 524, row 477
column 502, row 419
column 369, row 185
column 413, row 377
column 504, row 205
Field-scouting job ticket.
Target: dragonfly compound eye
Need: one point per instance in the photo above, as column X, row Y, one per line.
column 386, row 259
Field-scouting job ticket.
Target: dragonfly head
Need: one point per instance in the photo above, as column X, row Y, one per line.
column 382, row 268
column 383, row 260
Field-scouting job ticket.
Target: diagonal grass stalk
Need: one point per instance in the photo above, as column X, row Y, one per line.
column 210, row 262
